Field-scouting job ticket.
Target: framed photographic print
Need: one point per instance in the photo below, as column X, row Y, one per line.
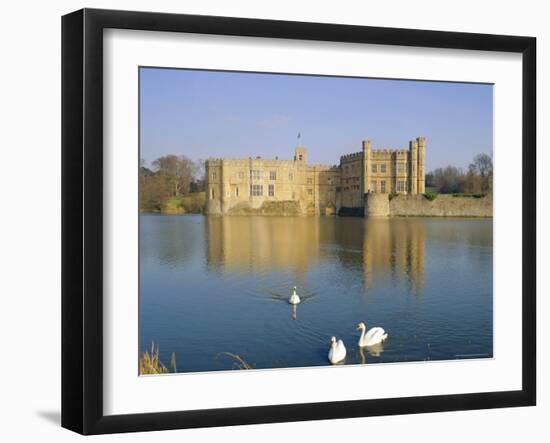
column 270, row 221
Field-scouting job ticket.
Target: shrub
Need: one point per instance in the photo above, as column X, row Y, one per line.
column 430, row 195
column 392, row 195
column 194, row 203
column 172, row 206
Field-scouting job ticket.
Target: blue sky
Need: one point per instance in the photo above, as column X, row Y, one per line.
column 205, row 114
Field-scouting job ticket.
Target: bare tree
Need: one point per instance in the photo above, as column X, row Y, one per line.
column 448, row 180
column 478, row 178
column 199, row 179
column 483, row 165
column 472, row 183
column 178, row 171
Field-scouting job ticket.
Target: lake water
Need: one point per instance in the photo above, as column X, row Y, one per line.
column 210, row 285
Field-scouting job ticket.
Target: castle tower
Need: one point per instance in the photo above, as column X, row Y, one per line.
column 223, row 187
column 421, row 187
column 300, row 155
column 413, row 174
column 365, row 182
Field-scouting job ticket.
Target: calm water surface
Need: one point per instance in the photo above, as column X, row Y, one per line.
column 210, row 285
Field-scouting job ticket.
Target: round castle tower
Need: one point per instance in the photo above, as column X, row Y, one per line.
column 377, row 205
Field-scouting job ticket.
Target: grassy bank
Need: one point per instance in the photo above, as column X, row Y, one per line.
column 188, row 204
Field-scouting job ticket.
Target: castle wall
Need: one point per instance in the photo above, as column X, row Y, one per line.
column 213, row 172
column 413, row 165
column 327, row 181
column 421, row 165
column 351, row 169
column 441, row 206
column 389, row 171
column 255, row 184
column 377, row 205
column 243, row 185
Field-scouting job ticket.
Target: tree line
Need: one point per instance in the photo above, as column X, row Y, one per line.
column 169, row 178
column 477, row 179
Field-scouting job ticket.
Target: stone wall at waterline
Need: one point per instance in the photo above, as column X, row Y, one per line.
column 291, row 208
column 377, row 205
column 441, row 206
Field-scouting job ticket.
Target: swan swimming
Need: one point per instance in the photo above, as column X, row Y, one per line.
column 294, row 298
column 374, row 335
column 337, row 351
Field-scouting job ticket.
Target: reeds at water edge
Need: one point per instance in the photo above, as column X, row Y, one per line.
column 240, row 363
column 151, row 364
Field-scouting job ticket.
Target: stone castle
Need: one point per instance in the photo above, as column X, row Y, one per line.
column 357, row 185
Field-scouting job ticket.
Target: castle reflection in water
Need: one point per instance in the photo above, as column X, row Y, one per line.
column 390, row 248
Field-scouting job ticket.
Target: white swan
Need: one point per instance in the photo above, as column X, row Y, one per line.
column 294, row 298
column 374, row 336
column 337, row 351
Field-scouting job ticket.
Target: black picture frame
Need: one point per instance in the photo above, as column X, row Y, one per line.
column 82, row 218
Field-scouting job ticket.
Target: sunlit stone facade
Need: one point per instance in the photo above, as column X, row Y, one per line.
column 250, row 184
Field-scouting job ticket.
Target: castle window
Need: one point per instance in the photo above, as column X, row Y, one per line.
column 271, row 190
column 383, row 169
column 373, row 186
column 401, row 186
column 255, row 174
column 374, row 168
column 256, row 190
column 273, row 175
column 400, row 167
column 213, row 176
column 290, row 176
column 237, row 191
column 309, row 181
column 310, row 191
column 211, row 193
column 383, row 186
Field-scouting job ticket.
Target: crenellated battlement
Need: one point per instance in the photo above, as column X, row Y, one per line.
column 388, row 151
column 324, row 168
column 351, row 157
